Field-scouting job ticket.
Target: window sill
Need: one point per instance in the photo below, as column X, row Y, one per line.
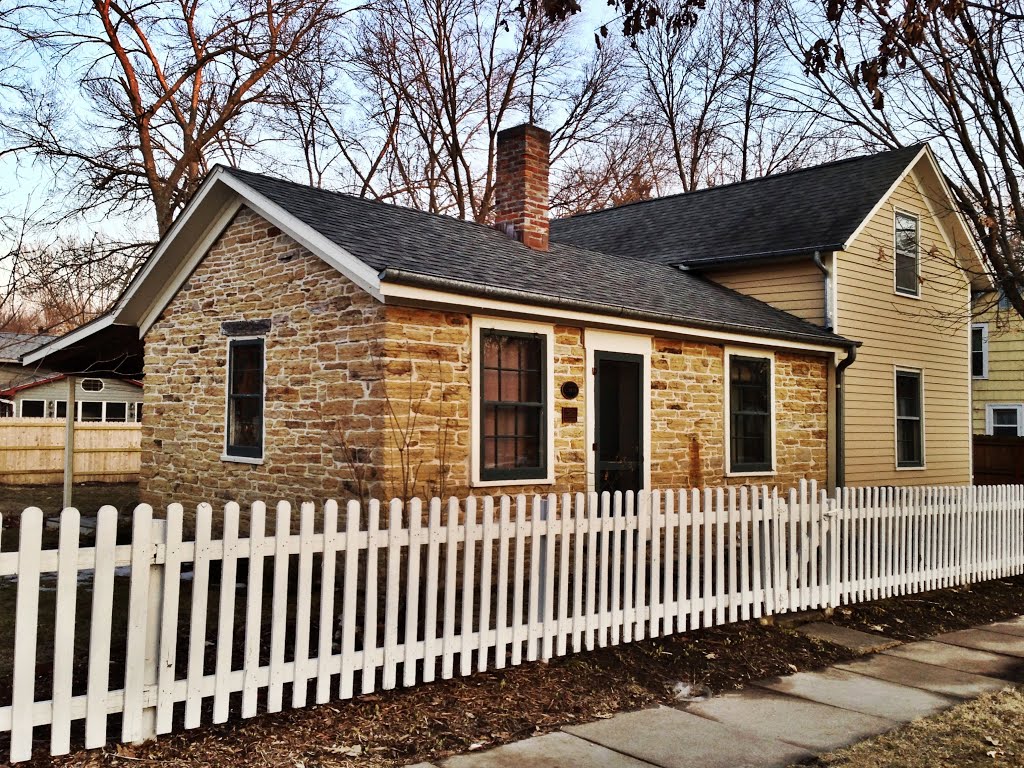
column 908, row 295
column 759, row 473
column 518, row 481
column 911, row 469
column 241, row 459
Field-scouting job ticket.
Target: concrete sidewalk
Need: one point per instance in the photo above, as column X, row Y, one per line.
column 785, row 720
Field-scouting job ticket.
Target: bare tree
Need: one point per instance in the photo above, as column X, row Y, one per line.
column 440, row 78
column 163, row 88
column 962, row 89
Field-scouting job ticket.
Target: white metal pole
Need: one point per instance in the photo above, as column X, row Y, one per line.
column 69, row 444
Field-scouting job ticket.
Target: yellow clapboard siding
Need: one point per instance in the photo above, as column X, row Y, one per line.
column 1005, row 381
column 929, row 333
column 796, row 287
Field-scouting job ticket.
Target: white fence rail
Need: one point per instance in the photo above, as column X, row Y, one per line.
column 393, row 596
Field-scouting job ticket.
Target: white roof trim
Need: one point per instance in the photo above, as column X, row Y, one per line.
column 355, row 270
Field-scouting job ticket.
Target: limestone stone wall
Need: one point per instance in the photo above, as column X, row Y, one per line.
column 320, row 377
column 366, row 400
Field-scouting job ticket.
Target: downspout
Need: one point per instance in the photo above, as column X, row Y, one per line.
column 829, row 324
column 851, row 356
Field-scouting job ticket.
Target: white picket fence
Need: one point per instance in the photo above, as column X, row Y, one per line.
column 442, row 591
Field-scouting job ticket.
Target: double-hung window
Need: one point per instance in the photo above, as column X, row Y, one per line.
column 909, row 420
column 979, row 351
column 513, row 405
column 245, row 399
column 907, row 247
column 750, row 414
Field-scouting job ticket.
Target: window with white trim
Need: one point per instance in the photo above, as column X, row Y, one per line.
column 33, row 408
column 750, row 414
column 90, row 410
column 1004, row 419
column 979, row 351
column 907, row 250
column 909, row 419
column 245, row 399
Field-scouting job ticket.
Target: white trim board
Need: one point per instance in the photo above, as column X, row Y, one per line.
column 624, row 343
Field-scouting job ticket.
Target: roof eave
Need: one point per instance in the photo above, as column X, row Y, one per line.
column 465, row 288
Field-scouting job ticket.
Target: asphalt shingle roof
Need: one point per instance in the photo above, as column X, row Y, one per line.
column 14, row 345
column 799, row 211
column 392, row 238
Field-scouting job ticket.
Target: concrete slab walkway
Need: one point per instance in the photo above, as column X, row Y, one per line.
column 781, row 721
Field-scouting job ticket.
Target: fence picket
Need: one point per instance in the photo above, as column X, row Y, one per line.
column 167, row 670
column 430, row 609
column 392, row 596
column 226, row 614
column 253, row 608
column 562, row 626
column 98, row 684
column 658, row 603
column 501, row 619
column 303, row 606
column 578, row 586
column 368, row 677
column 486, row 568
column 468, row 588
column 197, row 628
column 26, row 609
column 350, row 596
column 328, row 569
column 629, row 536
column 550, row 540
column 450, row 584
column 517, row 626
column 64, row 631
column 412, row 591
column 643, row 528
column 279, row 606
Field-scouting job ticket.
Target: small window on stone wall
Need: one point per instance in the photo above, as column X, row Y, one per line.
column 750, row 414
column 245, row 399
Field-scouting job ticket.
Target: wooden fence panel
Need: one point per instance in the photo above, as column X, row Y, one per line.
column 32, row 451
column 998, row 460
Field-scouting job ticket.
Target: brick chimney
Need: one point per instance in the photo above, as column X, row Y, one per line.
column 521, row 185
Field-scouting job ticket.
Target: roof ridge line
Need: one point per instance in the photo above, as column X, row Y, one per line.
column 727, row 185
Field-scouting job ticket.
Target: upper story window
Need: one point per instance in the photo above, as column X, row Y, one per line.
column 92, row 385
column 909, row 420
column 1004, row 301
column 750, row 414
column 907, row 249
column 979, row 351
column 245, row 399
column 1004, row 420
column 513, row 405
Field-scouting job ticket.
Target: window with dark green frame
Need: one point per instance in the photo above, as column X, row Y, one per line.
column 909, row 420
column 513, row 406
column 245, row 399
column 750, row 414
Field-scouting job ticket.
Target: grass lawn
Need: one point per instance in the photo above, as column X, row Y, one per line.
column 988, row 731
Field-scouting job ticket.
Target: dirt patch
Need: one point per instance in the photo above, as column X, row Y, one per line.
column 988, row 731
column 87, row 498
column 435, row 720
column 915, row 617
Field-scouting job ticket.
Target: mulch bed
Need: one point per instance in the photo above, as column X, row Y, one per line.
column 432, row 721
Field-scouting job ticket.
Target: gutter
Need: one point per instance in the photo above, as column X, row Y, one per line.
column 851, row 356
column 416, row 279
column 715, row 261
column 829, row 323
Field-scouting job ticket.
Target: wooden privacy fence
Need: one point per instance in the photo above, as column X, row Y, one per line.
column 32, row 451
column 342, row 605
column 998, row 460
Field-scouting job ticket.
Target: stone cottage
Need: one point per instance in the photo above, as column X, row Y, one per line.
column 305, row 344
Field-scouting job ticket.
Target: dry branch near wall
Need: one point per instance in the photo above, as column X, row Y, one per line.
column 398, row 594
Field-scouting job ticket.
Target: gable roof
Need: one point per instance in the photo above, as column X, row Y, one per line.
column 408, row 246
column 797, row 212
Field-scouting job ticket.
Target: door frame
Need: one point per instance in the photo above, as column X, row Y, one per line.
column 627, row 344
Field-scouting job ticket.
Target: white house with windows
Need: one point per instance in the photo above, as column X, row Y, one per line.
column 97, row 399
